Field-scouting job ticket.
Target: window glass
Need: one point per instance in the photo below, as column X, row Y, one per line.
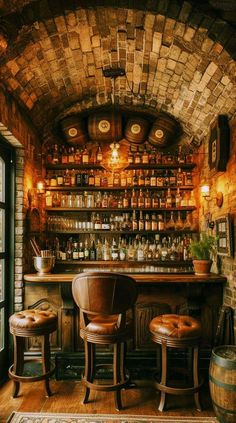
column 2, row 296
column 2, row 230
column 2, row 173
column 2, row 325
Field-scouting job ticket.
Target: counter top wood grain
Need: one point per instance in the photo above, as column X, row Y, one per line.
column 140, row 278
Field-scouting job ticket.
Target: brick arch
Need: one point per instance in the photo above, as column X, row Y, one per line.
column 175, row 66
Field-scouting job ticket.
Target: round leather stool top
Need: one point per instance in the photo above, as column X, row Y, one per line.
column 33, row 321
column 175, row 326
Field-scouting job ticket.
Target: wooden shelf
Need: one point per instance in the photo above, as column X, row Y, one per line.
column 136, row 187
column 89, row 166
column 172, row 263
column 122, row 210
column 130, row 232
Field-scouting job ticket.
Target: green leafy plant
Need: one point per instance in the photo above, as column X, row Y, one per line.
column 204, row 248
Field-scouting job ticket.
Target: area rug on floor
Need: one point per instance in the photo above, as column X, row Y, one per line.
column 102, row 418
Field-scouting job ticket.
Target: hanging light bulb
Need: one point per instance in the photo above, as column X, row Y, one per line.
column 114, row 153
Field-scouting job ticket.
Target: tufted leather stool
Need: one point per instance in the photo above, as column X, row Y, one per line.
column 103, row 299
column 26, row 324
column 175, row 331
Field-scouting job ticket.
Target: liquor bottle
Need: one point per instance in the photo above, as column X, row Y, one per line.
column 135, row 178
column 179, row 177
column 75, row 251
column 145, row 157
column 91, row 179
column 106, row 254
column 131, row 251
column 153, row 179
column 164, row 250
column 189, row 156
column 99, row 155
column 81, row 251
column 147, row 181
column 64, row 155
column 53, row 180
column 97, row 223
column 122, row 250
column 134, row 222
column 162, row 201
column 71, row 155
column 181, row 155
column 160, row 223
column 85, row 156
column 97, row 179
column 60, row 179
column 141, row 222
column 137, row 157
column 147, row 222
column 170, row 224
column 49, row 155
column 92, row 252
column 159, row 180
column 134, row 200
column 147, row 200
column 129, row 180
column 178, row 199
column 154, row 225
column 72, row 178
column 130, row 157
column 48, row 199
column 104, row 179
column 105, row 200
column 126, row 200
column 141, row 199
column 116, row 179
column 67, row 179
column 188, row 224
column 141, row 179
column 140, row 252
column 179, row 222
column 55, row 154
column 155, row 200
column 123, row 179
column 99, row 250
column 188, row 180
column 86, row 251
column 168, row 199
column 78, row 156
column 114, row 250
column 172, row 178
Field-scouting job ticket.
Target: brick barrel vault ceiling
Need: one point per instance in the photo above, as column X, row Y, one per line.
column 179, row 58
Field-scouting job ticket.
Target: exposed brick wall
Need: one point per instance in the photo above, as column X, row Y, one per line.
column 226, row 183
column 17, row 131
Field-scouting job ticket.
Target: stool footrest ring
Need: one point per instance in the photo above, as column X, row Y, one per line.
column 106, row 387
column 19, row 378
column 178, row 391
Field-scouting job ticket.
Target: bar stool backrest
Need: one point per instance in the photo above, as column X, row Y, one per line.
column 104, row 293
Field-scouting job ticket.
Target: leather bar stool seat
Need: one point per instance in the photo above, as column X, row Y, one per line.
column 177, row 331
column 27, row 324
column 103, row 299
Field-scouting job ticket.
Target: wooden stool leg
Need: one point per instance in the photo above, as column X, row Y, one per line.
column 46, row 364
column 89, row 367
column 117, row 374
column 163, row 374
column 196, row 378
column 18, row 367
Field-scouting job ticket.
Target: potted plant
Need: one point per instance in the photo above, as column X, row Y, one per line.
column 202, row 251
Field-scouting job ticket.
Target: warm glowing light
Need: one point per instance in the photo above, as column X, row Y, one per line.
column 205, row 190
column 40, row 187
column 114, row 153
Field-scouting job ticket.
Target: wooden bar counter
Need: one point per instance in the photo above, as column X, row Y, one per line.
column 159, row 293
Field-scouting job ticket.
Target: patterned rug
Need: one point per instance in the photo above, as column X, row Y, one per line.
column 101, row 418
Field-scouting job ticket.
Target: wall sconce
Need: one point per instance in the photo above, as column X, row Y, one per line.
column 40, row 187
column 205, row 192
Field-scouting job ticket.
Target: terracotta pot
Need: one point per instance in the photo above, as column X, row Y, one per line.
column 202, row 267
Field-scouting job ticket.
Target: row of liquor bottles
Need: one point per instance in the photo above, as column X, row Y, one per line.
column 142, row 198
column 61, row 154
column 128, row 178
column 124, row 249
column 136, row 221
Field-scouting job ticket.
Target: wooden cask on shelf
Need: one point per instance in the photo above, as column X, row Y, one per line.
column 164, row 131
column 136, row 130
column 105, row 126
column 74, row 130
column 222, row 379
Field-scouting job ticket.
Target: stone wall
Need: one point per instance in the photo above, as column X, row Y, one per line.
column 226, row 183
column 18, row 132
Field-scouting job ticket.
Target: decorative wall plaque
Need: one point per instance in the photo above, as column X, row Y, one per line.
column 218, row 146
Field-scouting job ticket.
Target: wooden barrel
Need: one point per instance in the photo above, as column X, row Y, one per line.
column 136, row 130
column 164, row 131
column 222, row 379
column 105, row 126
column 74, row 130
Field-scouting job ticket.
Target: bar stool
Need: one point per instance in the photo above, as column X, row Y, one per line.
column 26, row 324
column 103, row 299
column 175, row 331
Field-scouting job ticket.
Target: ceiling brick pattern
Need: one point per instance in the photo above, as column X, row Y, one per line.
column 177, row 59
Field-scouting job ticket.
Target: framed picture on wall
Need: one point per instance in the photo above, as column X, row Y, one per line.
column 218, row 144
column 224, row 236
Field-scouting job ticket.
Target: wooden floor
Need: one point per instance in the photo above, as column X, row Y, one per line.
column 141, row 400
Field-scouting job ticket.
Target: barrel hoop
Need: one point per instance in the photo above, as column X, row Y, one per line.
column 222, row 362
column 227, row 386
column 224, row 410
